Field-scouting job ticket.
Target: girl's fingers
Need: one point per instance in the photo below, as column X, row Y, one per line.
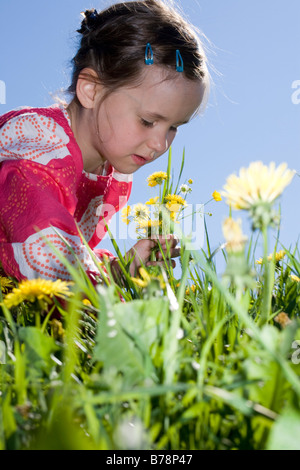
column 174, row 253
column 160, row 263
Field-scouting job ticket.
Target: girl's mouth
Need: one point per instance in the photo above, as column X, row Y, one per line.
column 139, row 160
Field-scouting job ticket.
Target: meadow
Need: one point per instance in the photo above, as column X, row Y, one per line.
column 206, row 361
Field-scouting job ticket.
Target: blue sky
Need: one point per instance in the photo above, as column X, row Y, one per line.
column 252, row 112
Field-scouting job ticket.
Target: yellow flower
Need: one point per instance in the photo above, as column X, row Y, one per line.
column 157, row 178
column 173, row 208
column 140, row 211
column 278, row 257
column 149, row 223
column 232, row 231
column 295, row 278
column 152, row 201
column 256, row 184
column 125, row 213
column 217, row 196
column 5, row 284
column 174, row 199
column 144, row 280
column 190, row 288
column 190, row 181
column 37, row 289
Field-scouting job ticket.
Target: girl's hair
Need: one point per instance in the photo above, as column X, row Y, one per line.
column 114, row 41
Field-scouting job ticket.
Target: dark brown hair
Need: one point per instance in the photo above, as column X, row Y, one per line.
column 114, row 41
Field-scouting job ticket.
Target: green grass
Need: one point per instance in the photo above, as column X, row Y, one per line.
column 158, row 367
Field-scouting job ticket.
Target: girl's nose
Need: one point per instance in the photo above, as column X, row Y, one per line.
column 158, row 142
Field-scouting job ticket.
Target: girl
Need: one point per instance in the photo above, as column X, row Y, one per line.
column 139, row 73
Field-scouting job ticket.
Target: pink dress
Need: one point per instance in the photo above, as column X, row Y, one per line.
column 46, row 195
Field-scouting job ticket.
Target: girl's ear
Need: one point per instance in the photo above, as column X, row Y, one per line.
column 87, row 87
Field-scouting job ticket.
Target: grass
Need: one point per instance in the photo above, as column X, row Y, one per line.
column 208, row 361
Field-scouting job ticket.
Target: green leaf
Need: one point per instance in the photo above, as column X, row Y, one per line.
column 38, row 349
column 125, row 336
column 285, row 432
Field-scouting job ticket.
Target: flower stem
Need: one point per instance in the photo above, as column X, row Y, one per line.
column 267, row 281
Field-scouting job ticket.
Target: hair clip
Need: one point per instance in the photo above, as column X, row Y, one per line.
column 179, row 62
column 94, row 15
column 149, row 54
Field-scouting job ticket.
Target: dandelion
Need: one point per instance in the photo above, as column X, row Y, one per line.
column 256, row 184
column 175, row 199
column 140, row 211
column 125, row 213
column 144, row 280
column 5, row 284
column 37, row 289
column 150, row 223
column 234, row 237
column 190, row 288
column 217, row 196
column 157, row 178
column 278, row 257
column 152, row 201
column 295, row 278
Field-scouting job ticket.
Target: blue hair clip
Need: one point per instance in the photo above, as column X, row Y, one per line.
column 149, row 55
column 94, row 15
column 179, row 62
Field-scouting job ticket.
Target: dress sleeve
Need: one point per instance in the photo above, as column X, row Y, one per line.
column 38, row 180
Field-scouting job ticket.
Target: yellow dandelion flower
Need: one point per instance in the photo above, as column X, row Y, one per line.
column 140, row 211
column 175, row 199
column 217, row 196
column 157, row 178
column 278, row 257
column 125, row 213
column 173, row 208
column 37, row 289
column 149, row 223
column 5, row 284
column 144, row 280
column 295, row 278
column 152, row 201
column 257, row 183
column 234, row 237
column 192, row 288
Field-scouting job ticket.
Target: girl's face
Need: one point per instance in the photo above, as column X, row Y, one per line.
column 135, row 126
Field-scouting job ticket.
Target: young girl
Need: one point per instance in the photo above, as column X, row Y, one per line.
column 139, row 73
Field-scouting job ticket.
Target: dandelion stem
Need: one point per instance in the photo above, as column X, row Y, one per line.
column 268, row 284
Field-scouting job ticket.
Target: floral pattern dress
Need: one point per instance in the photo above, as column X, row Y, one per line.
column 46, row 196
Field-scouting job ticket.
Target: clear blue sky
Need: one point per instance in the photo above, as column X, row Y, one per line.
column 250, row 116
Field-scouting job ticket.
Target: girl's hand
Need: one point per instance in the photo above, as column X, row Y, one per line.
column 142, row 250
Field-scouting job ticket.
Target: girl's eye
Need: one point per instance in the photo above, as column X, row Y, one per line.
column 146, row 123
